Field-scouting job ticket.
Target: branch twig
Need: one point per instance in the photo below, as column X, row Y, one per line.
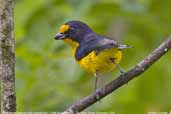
column 120, row 81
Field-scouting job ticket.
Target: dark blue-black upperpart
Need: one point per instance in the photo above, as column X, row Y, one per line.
column 88, row 40
column 78, row 31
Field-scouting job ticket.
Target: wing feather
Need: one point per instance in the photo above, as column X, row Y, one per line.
column 94, row 43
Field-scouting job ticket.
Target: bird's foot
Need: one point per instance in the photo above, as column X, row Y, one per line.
column 122, row 73
column 96, row 93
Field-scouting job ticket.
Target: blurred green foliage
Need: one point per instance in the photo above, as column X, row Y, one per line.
column 48, row 78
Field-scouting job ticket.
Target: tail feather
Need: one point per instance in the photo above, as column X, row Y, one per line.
column 124, row 46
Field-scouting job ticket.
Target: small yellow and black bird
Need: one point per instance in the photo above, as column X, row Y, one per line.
column 95, row 53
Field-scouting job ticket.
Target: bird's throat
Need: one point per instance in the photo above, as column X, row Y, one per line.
column 72, row 43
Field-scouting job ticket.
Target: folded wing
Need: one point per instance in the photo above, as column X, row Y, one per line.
column 94, row 43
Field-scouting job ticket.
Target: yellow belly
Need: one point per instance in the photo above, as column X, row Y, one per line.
column 102, row 62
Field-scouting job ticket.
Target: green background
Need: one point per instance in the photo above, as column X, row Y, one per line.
column 48, row 78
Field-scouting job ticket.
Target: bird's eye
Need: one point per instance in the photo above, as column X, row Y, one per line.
column 71, row 29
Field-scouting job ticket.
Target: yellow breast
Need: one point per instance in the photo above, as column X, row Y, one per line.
column 105, row 61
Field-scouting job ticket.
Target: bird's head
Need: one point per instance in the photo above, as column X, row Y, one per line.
column 73, row 31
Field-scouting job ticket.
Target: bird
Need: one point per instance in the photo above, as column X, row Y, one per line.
column 95, row 53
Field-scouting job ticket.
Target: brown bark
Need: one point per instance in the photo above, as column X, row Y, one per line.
column 7, row 57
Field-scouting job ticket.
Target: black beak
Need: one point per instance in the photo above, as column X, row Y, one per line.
column 60, row 36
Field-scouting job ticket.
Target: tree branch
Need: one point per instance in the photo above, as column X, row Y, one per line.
column 121, row 80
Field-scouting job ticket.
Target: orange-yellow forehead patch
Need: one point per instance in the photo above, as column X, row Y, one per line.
column 64, row 28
